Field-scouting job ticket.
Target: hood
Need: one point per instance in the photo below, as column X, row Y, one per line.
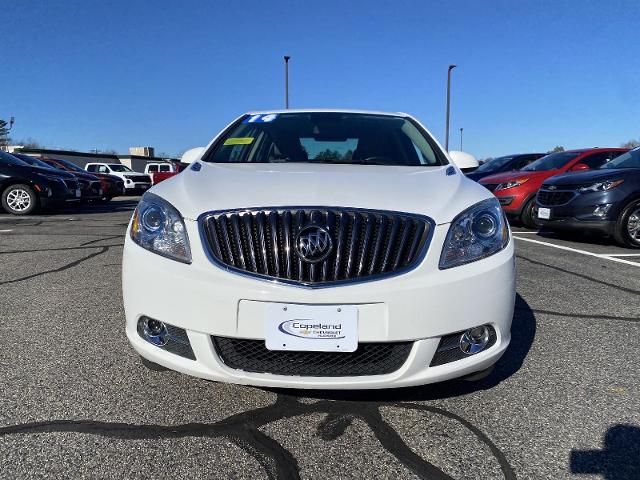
column 85, row 176
column 423, row 190
column 588, row 176
column 514, row 175
column 48, row 171
column 477, row 176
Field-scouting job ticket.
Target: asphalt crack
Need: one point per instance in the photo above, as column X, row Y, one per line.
column 59, row 269
column 243, row 430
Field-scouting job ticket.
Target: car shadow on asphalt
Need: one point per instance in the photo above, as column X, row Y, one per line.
column 618, row 459
column 523, row 331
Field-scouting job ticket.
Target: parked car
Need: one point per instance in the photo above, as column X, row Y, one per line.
column 605, row 200
column 162, row 171
column 90, row 188
column 134, row 182
column 111, row 185
column 25, row 188
column 507, row 163
column 517, row 190
column 320, row 249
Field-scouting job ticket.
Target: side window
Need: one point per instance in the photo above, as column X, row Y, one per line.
column 596, row 160
column 152, row 168
column 103, row 169
column 165, row 168
column 91, row 168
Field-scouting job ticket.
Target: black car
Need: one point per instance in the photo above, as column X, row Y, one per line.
column 504, row 164
column 90, row 187
column 605, row 200
column 24, row 188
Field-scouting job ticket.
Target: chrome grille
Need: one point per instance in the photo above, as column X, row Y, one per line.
column 366, row 244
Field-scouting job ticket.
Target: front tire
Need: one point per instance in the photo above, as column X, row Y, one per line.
column 529, row 216
column 19, row 199
column 627, row 229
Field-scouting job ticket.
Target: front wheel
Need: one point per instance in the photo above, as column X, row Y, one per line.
column 627, row 229
column 529, row 215
column 19, row 199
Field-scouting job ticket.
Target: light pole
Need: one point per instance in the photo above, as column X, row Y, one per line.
column 446, row 133
column 461, row 129
column 286, row 81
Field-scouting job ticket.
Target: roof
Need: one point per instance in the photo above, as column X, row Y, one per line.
column 328, row 110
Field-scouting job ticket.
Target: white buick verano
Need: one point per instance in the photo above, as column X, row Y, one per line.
column 320, row 249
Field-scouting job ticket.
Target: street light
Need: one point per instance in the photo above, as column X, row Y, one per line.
column 461, row 138
column 446, row 133
column 286, row 81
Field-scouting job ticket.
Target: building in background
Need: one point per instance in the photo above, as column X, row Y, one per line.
column 135, row 162
column 142, row 151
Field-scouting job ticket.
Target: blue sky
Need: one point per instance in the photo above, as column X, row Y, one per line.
column 87, row 74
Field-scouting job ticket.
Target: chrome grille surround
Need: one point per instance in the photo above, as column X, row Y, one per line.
column 386, row 243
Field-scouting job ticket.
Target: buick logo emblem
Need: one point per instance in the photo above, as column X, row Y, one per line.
column 313, row 243
column 551, row 187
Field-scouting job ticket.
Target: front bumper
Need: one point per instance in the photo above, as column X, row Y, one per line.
column 570, row 223
column 420, row 306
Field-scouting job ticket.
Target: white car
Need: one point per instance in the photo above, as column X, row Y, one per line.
column 159, row 167
column 134, row 182
column 320, row 249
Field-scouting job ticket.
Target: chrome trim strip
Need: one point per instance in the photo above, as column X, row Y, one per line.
column 202, row 218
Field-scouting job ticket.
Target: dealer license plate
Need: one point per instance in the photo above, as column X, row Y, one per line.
column 78, row 193
column 544, row 213
column 315, row 328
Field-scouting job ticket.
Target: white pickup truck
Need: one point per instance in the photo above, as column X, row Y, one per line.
column 134, row 182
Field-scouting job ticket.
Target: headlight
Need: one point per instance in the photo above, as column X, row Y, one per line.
column 159, row 227
column 511, row 184
column 478, row 232
column 600, row 186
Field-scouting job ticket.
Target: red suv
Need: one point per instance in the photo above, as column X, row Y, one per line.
column 517, row 190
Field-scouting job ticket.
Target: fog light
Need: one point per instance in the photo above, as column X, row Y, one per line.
column 474, row 340
column 154, row 331
column 602, row 210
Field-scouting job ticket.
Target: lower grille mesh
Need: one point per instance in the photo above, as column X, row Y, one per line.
column 368, row 359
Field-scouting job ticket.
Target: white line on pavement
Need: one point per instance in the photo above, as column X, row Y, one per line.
column 583, row 252
column 6, row 231
column 620, row 254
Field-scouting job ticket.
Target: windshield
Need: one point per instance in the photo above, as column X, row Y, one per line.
column 553, row 161
column 8, row 159
column 120, row 168
column 323, row 137
column 36, row 162
column 631, row 159
column 495, row 164
column 69, row 165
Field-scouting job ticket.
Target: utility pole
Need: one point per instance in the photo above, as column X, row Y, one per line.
column 446, row 134
column 286, row 81
column 461, row 138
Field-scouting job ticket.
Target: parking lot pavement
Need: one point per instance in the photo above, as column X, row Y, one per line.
column 563, row 402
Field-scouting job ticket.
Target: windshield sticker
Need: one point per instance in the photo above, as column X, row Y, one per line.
column 239, row 141
column 262, row 118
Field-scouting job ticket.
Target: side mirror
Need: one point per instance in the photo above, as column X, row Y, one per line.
column 579, row 166
column 192, row 155
column 463, row 160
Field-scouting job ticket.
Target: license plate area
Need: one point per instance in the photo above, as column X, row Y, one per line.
column 311, row 328
column 544, row 213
